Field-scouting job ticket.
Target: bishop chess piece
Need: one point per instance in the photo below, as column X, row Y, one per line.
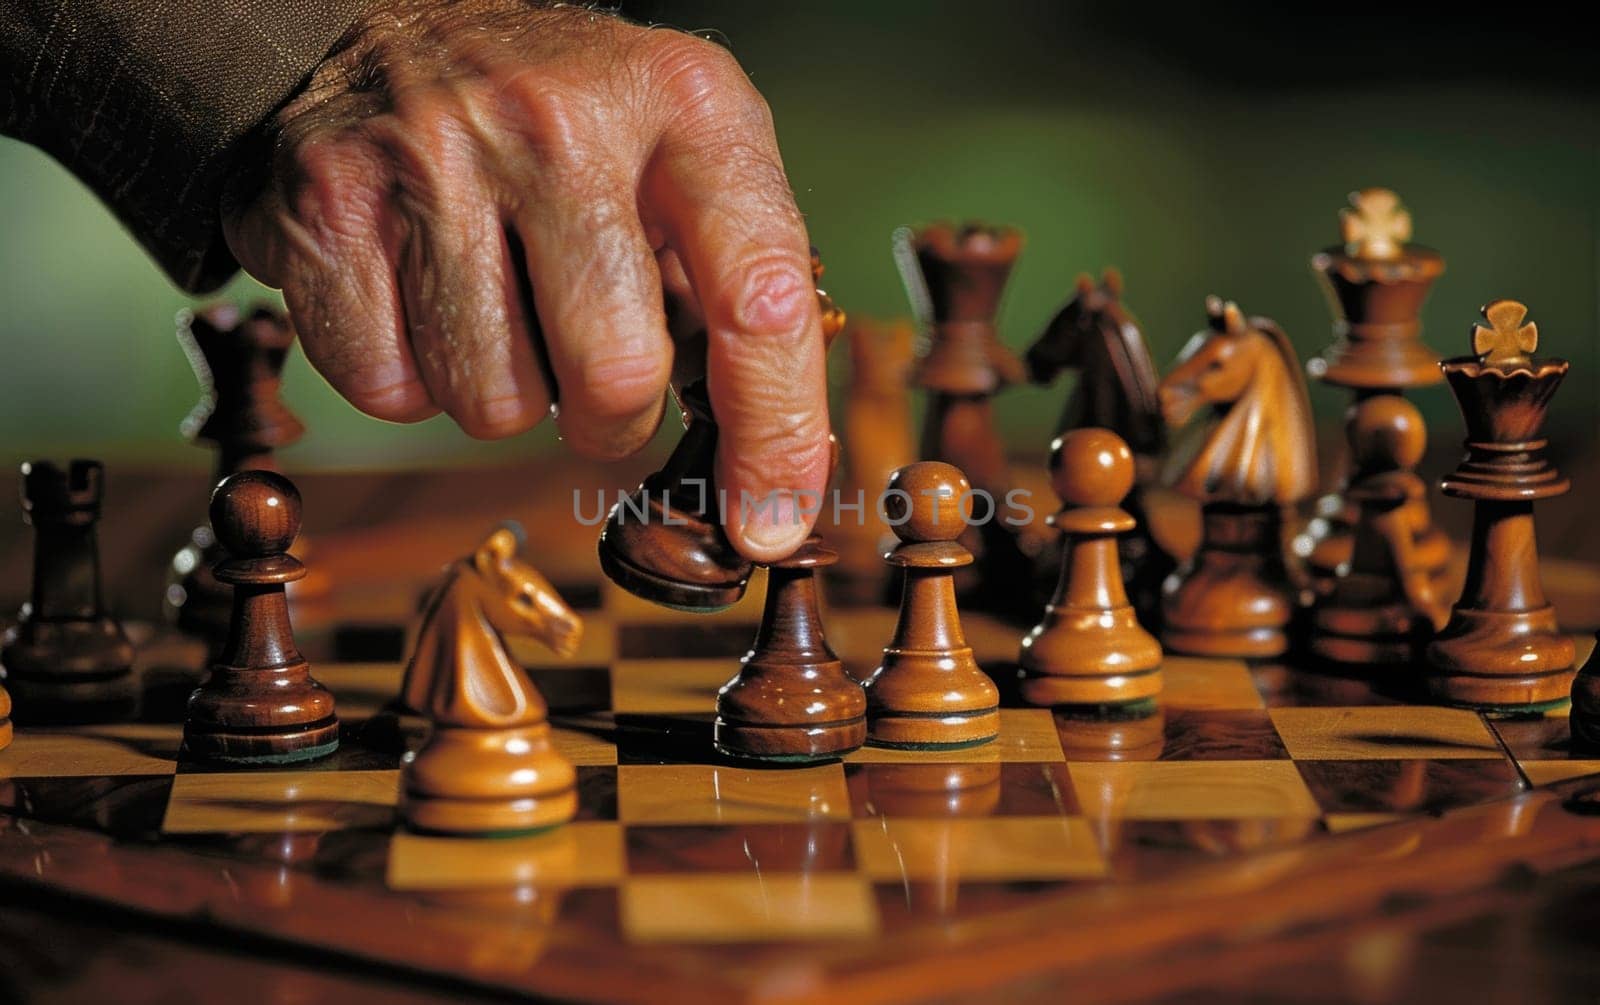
column 792, row 700
column 1096, row 335
column 1250, row 457
column 66, row 659
column 259, row 705
column 1382, row 607
column 239, row 363
column 964, row 271
column 1090, row 650
column 665, row 542
column 1376, row 283
column 488, row 765
column 929, row 693
column 1502, row 648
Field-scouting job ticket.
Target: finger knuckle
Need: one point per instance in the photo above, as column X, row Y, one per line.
column 694, row 74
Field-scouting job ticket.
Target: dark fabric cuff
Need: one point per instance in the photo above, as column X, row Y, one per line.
column 147, row 102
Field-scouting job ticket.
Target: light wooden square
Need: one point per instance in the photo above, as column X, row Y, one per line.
column 703, row 794
column 1388, row 732
column 121, row 749
column 715, row 907
column 976, row 850
column 281, row 801
column 1191, row 790
column 583, row 748
column 1549, row 772
column 1338, row 823
column 1027, row 735
column 584, row 853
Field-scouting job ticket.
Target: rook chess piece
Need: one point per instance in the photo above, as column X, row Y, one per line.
column 929, row 693
column 239, row 362
column 259, row 704
column 792, row 700
column 964, row 271
column 1090, row 649
column 66, row 659
column 1254, row 455
column 1502, row 648
column 1376, row 283
column 1382, row 606
column 488, row 766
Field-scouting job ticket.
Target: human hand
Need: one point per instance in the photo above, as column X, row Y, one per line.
column 478, row 207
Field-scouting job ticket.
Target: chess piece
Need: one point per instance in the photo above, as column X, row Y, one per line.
column 1502, row 648
column 488, row 766
column 239, row 363
column 1095, row 335
column 878, row 439
column 67, row 659
column 665, row 542
column 259, row 705
column 1376, row 283
column 929, row 693
column 1585, row 715
column 5, row 719
column 1090, row 649
column 1253, row 455
column 965, row 271
column 1383, row 604
column 792, row 700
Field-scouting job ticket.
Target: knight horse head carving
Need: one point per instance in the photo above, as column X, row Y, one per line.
column 460, row 670
column 1257, row 444
column 1116, row 389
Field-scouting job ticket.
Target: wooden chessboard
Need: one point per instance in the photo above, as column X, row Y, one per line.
column 1261, row 802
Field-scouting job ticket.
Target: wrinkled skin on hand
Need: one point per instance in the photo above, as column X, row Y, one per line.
column 478, row 206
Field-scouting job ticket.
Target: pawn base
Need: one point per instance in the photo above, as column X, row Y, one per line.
column 933, row 731
column 70, row 672
column 676, row 594
column 483, row 781
column 261, row 748
column 1501, row 660
column 790, row 744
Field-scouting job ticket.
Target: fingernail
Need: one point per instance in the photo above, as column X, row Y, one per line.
column 773, row 524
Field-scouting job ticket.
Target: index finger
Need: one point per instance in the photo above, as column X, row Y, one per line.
column 717, row 187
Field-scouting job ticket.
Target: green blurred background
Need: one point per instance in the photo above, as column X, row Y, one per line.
column 1200, row 151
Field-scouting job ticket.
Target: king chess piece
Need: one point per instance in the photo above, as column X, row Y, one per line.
column 1382, row 606
column 259, row 704
column 1502, row 648
column 792, row 700
column 239, row 363
column 1252, row 456
column 1090, row 650
column 665, row 542
column 929, row 692
column 1376, row 283
column 488, row 765
column 964, row 271
column 66, row 659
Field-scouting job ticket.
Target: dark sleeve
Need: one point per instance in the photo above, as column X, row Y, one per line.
column 147, row 101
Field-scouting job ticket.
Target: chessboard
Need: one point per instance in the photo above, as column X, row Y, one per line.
column 1261, row 803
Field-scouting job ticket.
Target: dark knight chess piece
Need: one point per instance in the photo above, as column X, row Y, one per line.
column 1376, row 283
column 1382, row 605
column 1090, row 649
column 66, row 659
column 239, row 362
column 1251, row 456
column 259, row 705
column 665, row 542
column 929, row 692
column 792, row 700
column 1502, row 648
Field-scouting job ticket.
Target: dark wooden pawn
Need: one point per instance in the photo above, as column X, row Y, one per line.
column 239, row 363
column 259, row 705
column 1503, row 648
column 1090, row 648
column 929, row 692
column 792, row 700
column 1382, row 605
column 67, row 659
